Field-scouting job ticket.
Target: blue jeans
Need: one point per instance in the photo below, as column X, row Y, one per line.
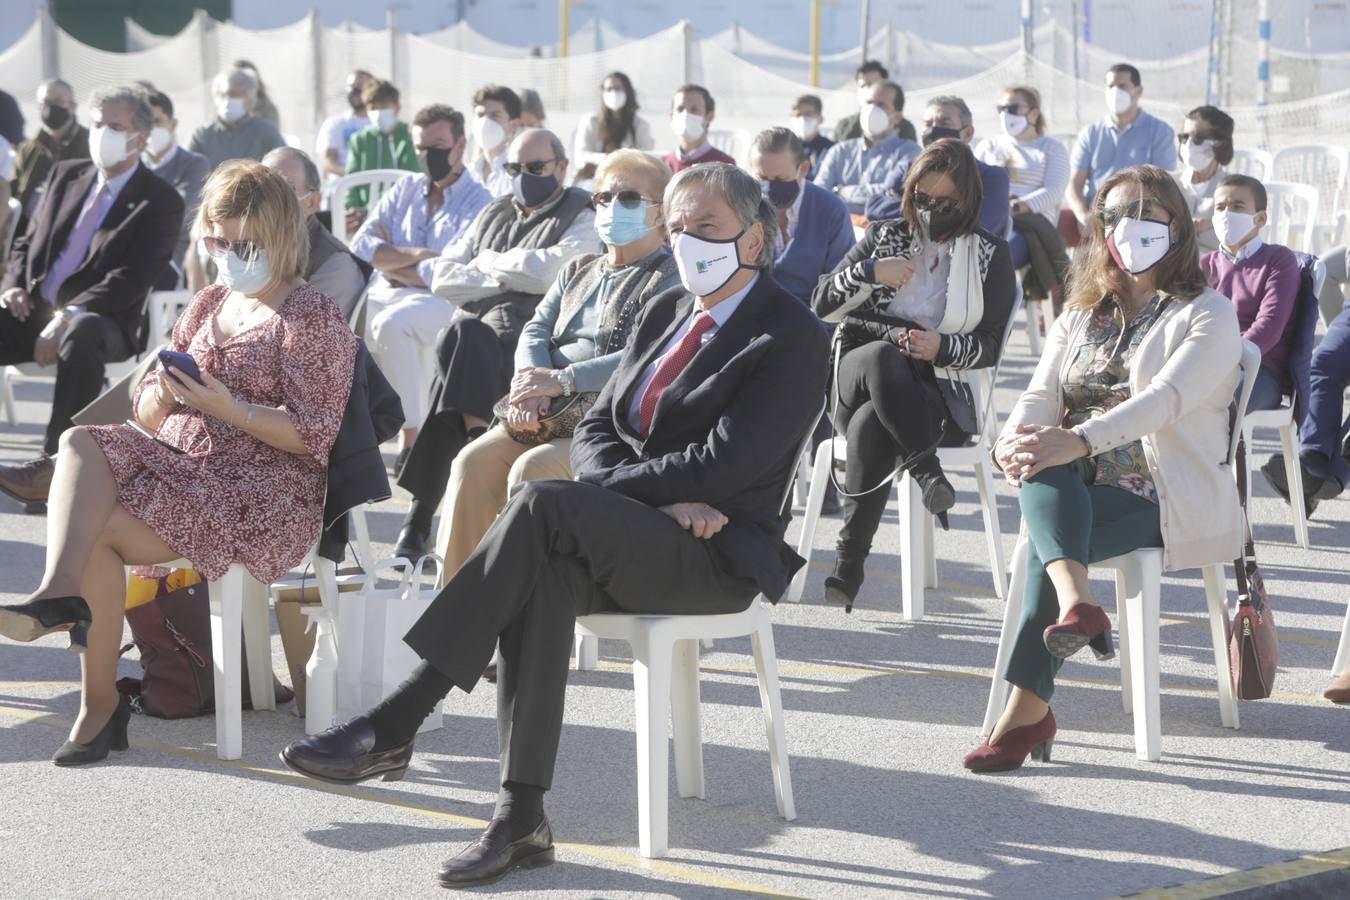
column 1323, row 428
column 1267, row 392
column 1017, row 246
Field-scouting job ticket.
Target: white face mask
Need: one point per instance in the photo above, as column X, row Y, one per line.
column 874, row 120
column 488, row 133
column 1013, row 125
column 1117, row 100
column 614, row 100
column 705, row 266
column 1232, row 228
column 161, row 139
column 247, row 278
column 383, row 119
column 231, row 109
column 1139, row 244
column 805, row 127
column 687, row 126
column 107, row 147
column 1198, row 155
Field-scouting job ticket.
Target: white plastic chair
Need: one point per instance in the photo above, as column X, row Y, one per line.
column 1292, row 210
column 1138, row 603
column 734, row 142
column 919, row 562
column 1323, row 167
column 666, row 689
column 1283, row 419
column 1256, row 163
column 1342, row 662
column 377, row 180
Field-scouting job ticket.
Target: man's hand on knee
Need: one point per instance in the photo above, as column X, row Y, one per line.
column 17, row 301
column 699, row 519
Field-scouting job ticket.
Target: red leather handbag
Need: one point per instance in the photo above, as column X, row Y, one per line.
column 1253, row 647
column 173, row 634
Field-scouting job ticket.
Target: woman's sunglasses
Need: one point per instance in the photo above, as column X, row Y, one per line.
column 1183, row 139
column 1012, row 109
column 628, row 198
column 534, row 168
column 219, row 247
column 933, row 204
column 1110, row 216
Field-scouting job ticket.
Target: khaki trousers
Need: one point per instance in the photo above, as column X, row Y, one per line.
column 485, row 473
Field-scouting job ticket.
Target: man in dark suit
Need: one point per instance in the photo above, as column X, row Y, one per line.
column 75, row 288
column 680, row 465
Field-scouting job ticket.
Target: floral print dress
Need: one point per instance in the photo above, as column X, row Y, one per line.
column 232, row 497
column 1099, row 380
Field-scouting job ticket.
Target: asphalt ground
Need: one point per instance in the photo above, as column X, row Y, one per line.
column 879, row 712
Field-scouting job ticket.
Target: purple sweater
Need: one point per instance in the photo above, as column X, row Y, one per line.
column 1264, row 289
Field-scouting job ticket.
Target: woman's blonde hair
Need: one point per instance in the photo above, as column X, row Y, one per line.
column 647, row 173
column 265, row 204
column 1093, row 274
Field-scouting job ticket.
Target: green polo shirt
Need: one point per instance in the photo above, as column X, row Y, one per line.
column 371, row 148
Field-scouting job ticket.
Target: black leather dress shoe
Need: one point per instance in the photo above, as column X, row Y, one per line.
column 412, row 543
column 495, row 854
column 344, row 755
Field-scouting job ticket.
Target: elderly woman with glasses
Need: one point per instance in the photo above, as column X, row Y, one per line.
column 1119, row 441
column 929, row 290
column 225, row 458
column 567, row 351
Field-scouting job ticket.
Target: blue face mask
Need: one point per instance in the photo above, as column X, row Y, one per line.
column 247, row 278
column 618, row 224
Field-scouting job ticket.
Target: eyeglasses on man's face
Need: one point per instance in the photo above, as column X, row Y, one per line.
column 534, row 168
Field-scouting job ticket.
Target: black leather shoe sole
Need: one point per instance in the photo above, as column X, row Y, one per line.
column 535, row 860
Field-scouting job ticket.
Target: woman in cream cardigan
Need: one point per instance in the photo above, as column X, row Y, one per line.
column 1119, row 442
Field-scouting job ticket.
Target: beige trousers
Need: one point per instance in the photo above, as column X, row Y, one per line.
column 482, row 477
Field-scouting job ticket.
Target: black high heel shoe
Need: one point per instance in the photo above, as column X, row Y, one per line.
column 938, row 495
column 29, row 621
column 112, row 737
column 842, row 585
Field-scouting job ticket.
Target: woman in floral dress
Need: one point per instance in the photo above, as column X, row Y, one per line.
column 236, row 472
column 1119, row 442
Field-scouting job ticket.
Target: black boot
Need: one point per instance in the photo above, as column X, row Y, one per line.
column 938, row 493
column 842, row 585
column 416, row 531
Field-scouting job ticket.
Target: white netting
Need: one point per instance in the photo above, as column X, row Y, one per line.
column 140, row 38
column 285, row 58
column 21, row 63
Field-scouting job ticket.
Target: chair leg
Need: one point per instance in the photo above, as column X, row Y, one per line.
column 651, row 697
column 1143, row 585
column 930, row 576
column 912, row 564
column 1123, row 636
column 258, row 644
column 1012, row 616
column 1294, row 476
column 361, row 531
column 815, row 499
column 1216, row 597
column 226, row 600
column 1342, row 662
column 771, row 701
column 993, row 535
column 7, row 396
column 1247, row 449
column 801, row 485
column 1032, row 308
column 587, row 651
column 686, row 721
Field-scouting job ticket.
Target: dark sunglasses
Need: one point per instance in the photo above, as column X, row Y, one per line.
column 219, row 247
column 933, row 204
column 534, row 168
column 627, row 198
column 1183, row 139
column 1110, row 216
column 1012, row 109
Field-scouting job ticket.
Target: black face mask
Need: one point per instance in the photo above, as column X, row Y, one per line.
column 940, row 226
column 354, row 100
column 55, row 117
column 435, row 162
column 533, row 190
column 782, row 194
column 937, row 133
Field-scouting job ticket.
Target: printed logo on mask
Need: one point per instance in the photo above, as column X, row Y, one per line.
column 703, row 265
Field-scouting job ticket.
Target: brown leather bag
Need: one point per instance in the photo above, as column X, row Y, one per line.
column 1253, row 647
column 173, row 634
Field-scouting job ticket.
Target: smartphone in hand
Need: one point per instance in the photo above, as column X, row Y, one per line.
column 138, row 427
column 181, row 362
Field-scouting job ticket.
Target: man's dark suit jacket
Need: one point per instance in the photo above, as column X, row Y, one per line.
column 728, row 429
column 132, row 246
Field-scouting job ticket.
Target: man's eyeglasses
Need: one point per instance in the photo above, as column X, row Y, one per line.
column 628, row 198
column 219, row 247
column 1012, row 109
column 931, row 204
column 534, row 168
column 1110, row 216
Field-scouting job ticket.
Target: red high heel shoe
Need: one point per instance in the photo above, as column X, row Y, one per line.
column 1012, row 747
column 1084, row 624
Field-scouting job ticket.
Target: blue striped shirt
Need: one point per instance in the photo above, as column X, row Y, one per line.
column 401, row 219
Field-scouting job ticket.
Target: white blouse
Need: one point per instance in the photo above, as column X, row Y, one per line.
column 587, row 146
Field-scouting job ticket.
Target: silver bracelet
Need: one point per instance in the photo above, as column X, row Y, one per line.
column 248, row 416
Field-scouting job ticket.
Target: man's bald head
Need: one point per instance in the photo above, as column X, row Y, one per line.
column 300, row 173
column 536, row 145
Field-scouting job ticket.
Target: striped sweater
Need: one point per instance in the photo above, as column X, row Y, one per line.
column 1038, row 169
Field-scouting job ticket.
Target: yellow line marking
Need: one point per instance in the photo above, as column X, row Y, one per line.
column 613, row 855
column 1247, row 879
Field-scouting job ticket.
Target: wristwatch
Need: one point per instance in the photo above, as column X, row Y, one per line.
column 1078, row 430
column 565, row 379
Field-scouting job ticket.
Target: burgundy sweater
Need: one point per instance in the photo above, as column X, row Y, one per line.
column 1263, row 288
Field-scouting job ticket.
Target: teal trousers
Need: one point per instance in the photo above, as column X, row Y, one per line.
column 1069, row 517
